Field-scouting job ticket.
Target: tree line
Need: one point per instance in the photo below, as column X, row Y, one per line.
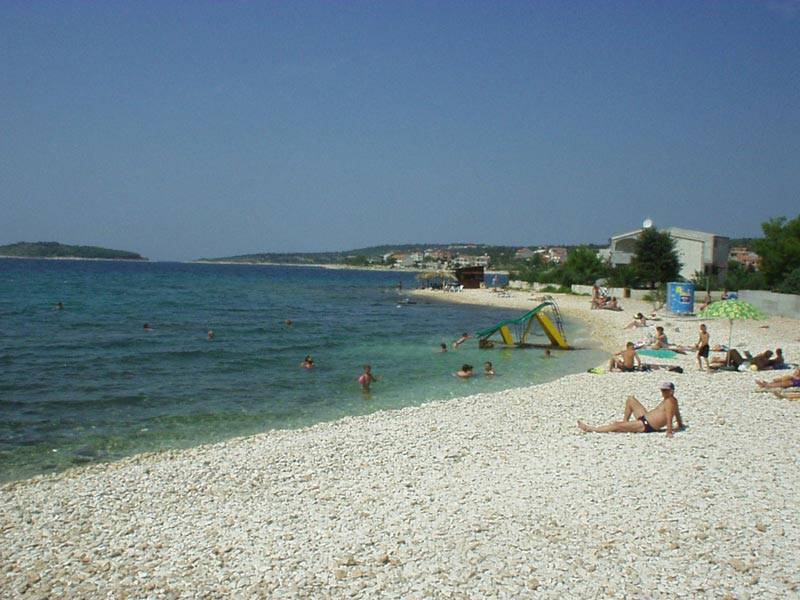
column 655, row 262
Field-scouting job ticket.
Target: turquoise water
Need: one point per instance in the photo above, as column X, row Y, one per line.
column 87, row 383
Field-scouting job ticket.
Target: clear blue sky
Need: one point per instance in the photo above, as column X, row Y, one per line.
column 188, row 129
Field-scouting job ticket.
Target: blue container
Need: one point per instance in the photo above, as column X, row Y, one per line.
column 680, row 297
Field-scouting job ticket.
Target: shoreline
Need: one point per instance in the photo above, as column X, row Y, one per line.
column 143, row 259
column 480, row 496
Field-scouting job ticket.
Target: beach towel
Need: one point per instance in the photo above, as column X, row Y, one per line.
column 660, row 353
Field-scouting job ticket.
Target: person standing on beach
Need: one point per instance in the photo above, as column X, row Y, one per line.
column 366, row 378
column 646, row 421
column 702, row 347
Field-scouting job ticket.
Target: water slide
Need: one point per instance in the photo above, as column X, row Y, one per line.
column 552, row 327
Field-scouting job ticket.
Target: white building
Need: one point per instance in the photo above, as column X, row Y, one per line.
column 470, row 260
column 697, row 250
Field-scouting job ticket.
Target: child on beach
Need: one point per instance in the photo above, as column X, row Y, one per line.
column 488, row 369
column 702, row 347
column 366, row 378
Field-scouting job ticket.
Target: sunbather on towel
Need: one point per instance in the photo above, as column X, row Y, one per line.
column 624, row 359
column 787, row 381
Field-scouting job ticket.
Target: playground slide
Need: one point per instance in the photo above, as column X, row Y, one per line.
column 552, row 330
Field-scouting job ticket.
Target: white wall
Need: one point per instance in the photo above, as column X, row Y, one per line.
column 690, row 253
column 785, row 305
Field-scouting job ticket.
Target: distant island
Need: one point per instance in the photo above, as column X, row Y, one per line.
column 408, row 256
column 56, row 250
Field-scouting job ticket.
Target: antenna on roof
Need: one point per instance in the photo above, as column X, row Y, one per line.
column 648, row 223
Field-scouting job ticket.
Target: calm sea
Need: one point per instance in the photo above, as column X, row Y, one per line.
column 87, row 383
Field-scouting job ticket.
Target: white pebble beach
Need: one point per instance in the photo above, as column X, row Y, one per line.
column 489, row 496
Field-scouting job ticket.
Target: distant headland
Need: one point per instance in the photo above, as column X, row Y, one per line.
column 65, row 251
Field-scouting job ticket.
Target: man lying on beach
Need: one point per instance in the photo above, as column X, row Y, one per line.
column 624, row 359
column 787, row 381
column 646, row 421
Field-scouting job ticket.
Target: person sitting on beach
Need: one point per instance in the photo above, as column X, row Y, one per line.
column 724, row 295
column 732, row 358
column 488, row 369
column 777, row 362
column 624, row 359
column 762, row 361
column 638, row 321
column 598, row 300
column 706, row 302
column 465, row 372
column 612, row 304
column 464, row 337
column 661, row 339
column 366, row 378
column 646, row 421
column 442, row 347
column 786, row 381
column 308, row 362
column 702, row 347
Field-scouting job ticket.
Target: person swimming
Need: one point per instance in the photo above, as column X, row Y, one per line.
column 308, row 362
column 210, row 334
column 464, row 337
column 366, row 378
column 59, row 306
column 146, row 327
column 488, row 369
column 288, row 322
column 466, row 371
column 442, row 347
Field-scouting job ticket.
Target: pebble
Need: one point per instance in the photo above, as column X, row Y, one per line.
column 493, row 495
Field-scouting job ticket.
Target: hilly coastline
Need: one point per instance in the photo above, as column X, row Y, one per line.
column 57, row 250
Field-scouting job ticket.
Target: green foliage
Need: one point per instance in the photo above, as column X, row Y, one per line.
column 791, row 284
column 582, row 266
column 655, row 259
column 779, row 249
column 740, row 277
column 556, row 289
column 624, row 276
column 56, row 250
column 359, row 260
column 657, row 297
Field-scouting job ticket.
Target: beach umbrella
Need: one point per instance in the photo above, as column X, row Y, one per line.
column 733, row 310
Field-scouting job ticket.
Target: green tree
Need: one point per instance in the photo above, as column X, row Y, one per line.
column 779, row 249
column 624, row 276
column 582, row 266
column 655, row 259
column 791, row 284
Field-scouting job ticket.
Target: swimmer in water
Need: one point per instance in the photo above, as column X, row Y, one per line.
column 366, row 378
column 147, row 327
column 442, row 347
column 60, row 306
column 308, row 362
column 465, row 372
column 288, row 322
column 547, row 354
column 210, row 334
column 488, row 369
column 464, row 337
